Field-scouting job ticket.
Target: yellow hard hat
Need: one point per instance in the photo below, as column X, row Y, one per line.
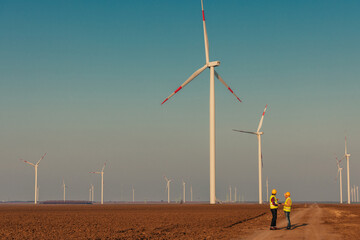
column 273, row 191
column 287, row 194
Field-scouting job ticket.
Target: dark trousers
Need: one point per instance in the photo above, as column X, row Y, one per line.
column 274, row 217
column 287, row 215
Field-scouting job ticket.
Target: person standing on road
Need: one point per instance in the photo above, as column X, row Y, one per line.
column 287, row 209
column 273, row 208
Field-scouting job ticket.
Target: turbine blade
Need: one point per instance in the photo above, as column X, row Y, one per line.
column 95, row 172
column 244, row 131
column 261, row 120
column 194, row 75
column 40, row 159
column 102, row 170
column 206, row 40
column 27, row 162
column 223, row 82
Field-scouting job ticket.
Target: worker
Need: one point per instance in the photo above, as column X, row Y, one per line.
column 273, row 208
column 287, row 209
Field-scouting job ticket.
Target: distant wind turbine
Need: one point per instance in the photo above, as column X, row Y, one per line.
column 35, row 167
column 183, row 190
column 230, row 193
column 133, row 193
column 347, row 156
column 258, row 134
column 102, row 182
column 64, row 189
column 191, row 193
column 340, row 177
column 168, row 181
column 235, row 194
column 211, row 66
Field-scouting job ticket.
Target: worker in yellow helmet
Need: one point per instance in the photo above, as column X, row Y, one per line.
column 287, row 209
column 273, row 208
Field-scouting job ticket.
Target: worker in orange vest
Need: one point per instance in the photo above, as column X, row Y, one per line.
column 273, row 208
column 287, row 209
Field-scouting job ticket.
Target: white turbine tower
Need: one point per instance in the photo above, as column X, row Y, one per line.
column 102, row 182
column 133, row 193
column 168, row 181
column 92, row 192
column 64, row 189
column 230, row 193
column 191, row 193
column 347, row 156
column 258, row 134
column 36, row 168
column 340, row 177
column 183, row 190
column 211, row 66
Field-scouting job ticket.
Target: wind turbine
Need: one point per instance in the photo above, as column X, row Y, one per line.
column 133, row 193
column 230, row 192
column 90, row 194
column 191, row 193
column 235, row 194
column 211, row 66
column 64, row 187
column 339, row 175
column 183, row 190
column 102, row 182
column 35, row 167
column 258, row 134
column 168, row 181
column 347, row 155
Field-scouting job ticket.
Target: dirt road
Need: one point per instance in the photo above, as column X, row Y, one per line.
column 306, row 224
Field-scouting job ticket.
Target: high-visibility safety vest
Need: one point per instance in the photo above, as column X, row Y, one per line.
column 272, row 206
column 289, row 203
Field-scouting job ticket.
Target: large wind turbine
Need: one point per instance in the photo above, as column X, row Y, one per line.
column 102, row 182
column 347, row 156
column 168, row 181
column 258, row 134
column 35, row 167
column 339, row 175
column 213, row 73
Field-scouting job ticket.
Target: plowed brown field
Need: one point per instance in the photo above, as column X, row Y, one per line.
column 162, row 221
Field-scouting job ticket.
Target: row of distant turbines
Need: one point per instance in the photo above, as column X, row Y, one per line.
column 91, row 190
column 353, row 193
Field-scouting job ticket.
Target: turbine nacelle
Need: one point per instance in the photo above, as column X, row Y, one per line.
column 347, row 155
column 259, row 133
column 213, row 64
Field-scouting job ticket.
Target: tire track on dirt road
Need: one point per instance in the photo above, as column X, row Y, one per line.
column 306, row 224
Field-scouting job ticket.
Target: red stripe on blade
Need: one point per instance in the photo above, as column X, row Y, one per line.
column 178, row 89
column 203, row 15
column 230, row 90
column 164, row 101
column 239, row 99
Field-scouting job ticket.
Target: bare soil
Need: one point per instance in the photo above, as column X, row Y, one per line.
column 185, row 221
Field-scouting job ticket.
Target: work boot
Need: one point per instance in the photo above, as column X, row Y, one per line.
column 272, row 228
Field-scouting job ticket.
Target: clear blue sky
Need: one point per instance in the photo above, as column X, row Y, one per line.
column 84, row 81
